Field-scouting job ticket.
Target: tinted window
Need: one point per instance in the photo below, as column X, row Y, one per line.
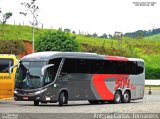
column 131, row 67
column 93, row 66
column 69, row 66
column 5, row 64
column 96, row 66
column 122, row 67
column 82, row 66
column 56, row 62
column 109, row 67
column 140, row 67
column 52, row 71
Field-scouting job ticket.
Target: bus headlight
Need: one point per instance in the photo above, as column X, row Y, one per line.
column 41, row 91
column 15, row 92
column 38, row 92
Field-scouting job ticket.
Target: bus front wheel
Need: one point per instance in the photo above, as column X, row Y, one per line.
column 126, row 98
column 117, row 97
column 62, row 99
column 36, row 103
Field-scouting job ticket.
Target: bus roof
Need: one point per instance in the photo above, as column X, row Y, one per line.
column 47, row 55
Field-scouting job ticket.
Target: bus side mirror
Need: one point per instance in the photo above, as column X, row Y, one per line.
column 44, row 68
column 11, row 68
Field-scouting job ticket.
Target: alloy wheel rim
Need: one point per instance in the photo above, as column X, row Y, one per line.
column 117, row 97
column 126, row 97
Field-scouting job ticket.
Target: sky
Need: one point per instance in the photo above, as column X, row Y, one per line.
column 90, row 16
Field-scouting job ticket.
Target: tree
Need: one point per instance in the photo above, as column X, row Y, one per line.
column 56, row 41
column 4, row 17
column 73, row 32
column 110, row 36
column 95, row 35
column 67, row 30
column 31, row 8
column 104, row 36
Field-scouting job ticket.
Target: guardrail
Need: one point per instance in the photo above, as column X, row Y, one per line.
column 152, row 82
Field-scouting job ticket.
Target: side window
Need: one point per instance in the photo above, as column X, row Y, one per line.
column 96, row 66
column 114, row 67
column 68, row 67
column 50, row 75
column 131, row 67
column 82, row 66
column 140, row 67
column 52, row 71
column 56, row 62
column 121, row 67
column 109, row 67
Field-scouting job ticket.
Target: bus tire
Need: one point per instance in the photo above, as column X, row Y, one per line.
column 62, row 99
column 126, row 98
column 117, row 97
column 93, row 101
column 36, row 103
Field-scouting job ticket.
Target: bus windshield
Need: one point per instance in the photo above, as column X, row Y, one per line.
column 28, row 75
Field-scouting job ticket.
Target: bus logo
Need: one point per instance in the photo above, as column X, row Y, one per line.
column 122, row 83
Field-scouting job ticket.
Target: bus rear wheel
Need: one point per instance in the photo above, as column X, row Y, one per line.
column 36, row 103
column 126, row 98
column 117, row 97
column 62, row 99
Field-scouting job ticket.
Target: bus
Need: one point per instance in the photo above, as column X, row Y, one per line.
column 50, row 77
column 7, row 80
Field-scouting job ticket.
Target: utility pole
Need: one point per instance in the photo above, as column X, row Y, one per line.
column 33, row 35
column 33, row 9
column 119, row 37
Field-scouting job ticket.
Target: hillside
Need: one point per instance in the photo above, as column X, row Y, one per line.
column 18, row 32
column 147, row 48
column 153, row 37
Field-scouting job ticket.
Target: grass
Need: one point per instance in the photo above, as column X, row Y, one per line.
column 147, row 48
column 18, row 32
column 153, row 37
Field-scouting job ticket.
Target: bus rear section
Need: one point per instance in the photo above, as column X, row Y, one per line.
column 7, row 80
column 112, row 79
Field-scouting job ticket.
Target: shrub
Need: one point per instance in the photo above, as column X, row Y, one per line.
column 152, row 73
column 56, row 41
column 11, row 47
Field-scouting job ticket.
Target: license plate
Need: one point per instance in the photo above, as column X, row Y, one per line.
column 25, row 98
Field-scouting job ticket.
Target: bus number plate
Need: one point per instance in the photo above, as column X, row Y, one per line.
column 25, row 98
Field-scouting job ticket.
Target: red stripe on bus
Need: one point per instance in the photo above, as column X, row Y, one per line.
column 99, row 80
column 101, row 86
column 116, row 58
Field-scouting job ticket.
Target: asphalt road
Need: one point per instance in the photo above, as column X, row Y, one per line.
column 150, row 104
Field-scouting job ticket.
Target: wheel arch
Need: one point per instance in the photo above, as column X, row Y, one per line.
column 65, row 92
column 126, row 90
column 119, row 91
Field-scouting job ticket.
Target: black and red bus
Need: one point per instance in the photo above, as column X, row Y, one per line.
column 48, row 77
